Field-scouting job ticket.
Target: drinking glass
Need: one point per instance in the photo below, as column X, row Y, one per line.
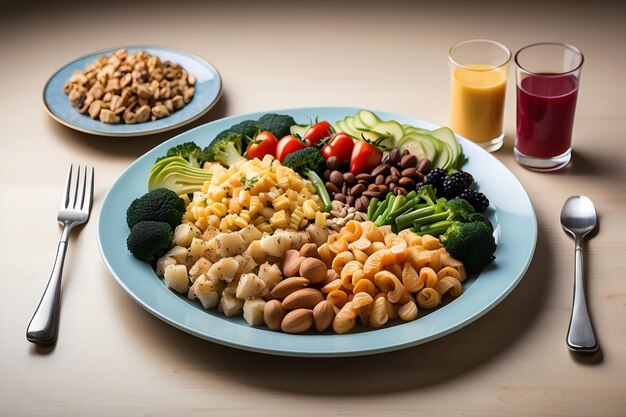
column 547, row 77
column 478, row 73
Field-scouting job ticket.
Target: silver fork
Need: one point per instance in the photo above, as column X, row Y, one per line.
column 74, row 210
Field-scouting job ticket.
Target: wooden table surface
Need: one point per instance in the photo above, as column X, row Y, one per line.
column 112, row 358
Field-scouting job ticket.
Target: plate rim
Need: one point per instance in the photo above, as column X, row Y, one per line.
column 288, row 351
column 140, row 132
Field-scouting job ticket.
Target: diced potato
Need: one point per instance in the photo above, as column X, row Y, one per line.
column 210, row 233
column 253, row 311
column 199, row 249
column 231, row 287
column 231, row 305
column 178, row 253
column 217, row 284
column 201, row 267
column 270, row 274
column 224, row 269
column 246, row 263
column 176, row 278
column 204, row 290
column 163, row 263
column 230, row 244
column 256, row 252
column 317, row 235
column 249, row 234
column 213, row 254
column 184, row 233
column 250, row 285
column 276, row 244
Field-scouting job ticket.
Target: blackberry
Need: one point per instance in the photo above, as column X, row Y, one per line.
column 465, row 177
column 452, row 187
column 436, row 178
column 477, row 199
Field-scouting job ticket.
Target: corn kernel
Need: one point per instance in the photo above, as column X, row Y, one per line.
column 279, row 219
column 241, row 222
column 281, row 203
column 218, row 209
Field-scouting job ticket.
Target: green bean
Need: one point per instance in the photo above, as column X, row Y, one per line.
column 371, row 209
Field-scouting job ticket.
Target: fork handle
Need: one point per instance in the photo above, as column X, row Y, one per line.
column 44, row 325
column 580, row 335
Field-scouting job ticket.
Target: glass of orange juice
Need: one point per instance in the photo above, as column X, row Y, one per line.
column 478, row 73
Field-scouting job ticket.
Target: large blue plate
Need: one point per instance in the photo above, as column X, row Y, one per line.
column 208, row 92
column 516, row 231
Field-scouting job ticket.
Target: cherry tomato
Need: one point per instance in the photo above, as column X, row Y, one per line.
column 287, row 145
column 341, row 146
column 263, row 144
column 317, row 132
column 365, row 157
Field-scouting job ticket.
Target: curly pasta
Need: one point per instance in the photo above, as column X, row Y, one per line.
column 379, row 275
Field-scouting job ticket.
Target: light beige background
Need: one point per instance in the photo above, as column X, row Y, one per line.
column 113, row 358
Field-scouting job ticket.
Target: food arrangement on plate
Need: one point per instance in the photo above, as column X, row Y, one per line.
column 130, row 88
column 361, row 220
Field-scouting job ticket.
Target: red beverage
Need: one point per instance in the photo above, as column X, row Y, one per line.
column 546, row 104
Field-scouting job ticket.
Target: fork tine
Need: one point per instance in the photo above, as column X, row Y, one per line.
column 74, row 189
column 80, row 190
column 68, row 187
column 88, row 195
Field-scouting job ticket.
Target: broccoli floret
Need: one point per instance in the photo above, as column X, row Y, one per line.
column 248, row 129
column 188, row 151
column 226, row 149
column 428, row 193
column 160, row 205
column 471, row 243
column 148, row 240
column 278, row 124
column 479, row 217
column 305, row 159
column 306, row 162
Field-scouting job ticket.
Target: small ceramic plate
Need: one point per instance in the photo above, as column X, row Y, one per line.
column 208, row 91
column 511, row 212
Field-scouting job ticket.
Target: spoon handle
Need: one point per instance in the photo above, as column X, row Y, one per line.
column 580, row 335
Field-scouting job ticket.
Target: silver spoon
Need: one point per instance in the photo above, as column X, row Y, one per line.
column 578, row 217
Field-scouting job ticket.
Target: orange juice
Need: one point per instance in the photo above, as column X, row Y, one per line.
column 478, row 101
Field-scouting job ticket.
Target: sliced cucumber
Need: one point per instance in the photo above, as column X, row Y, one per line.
column 447, row 136
column 367, row 118
column 444, row 159
column 389, row 128
column 299, row 130
column 430, row 145
column 415, row 147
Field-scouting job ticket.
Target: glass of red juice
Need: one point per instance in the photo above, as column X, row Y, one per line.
column 547, row 76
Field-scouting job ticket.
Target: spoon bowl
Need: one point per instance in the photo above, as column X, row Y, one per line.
column 578, row 218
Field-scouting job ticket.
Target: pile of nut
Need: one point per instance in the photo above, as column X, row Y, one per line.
column 295, row 306
column 399, row 173
column 130, row 88
column 340, row 214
